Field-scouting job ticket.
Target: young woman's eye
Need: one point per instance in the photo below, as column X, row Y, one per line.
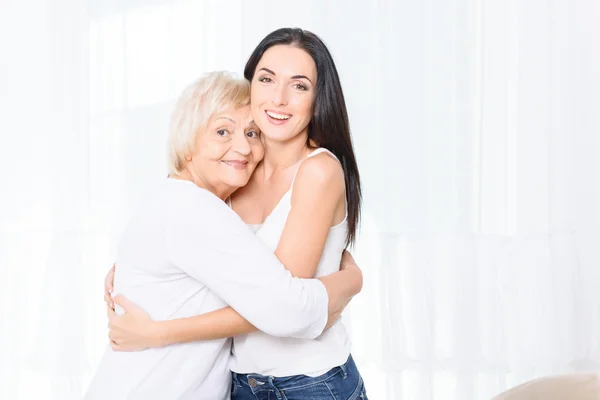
column 300, row 86
column 222, row 133
column 253, row 134
column 265, row 79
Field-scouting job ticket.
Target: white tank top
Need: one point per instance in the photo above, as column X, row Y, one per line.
column 260, row 353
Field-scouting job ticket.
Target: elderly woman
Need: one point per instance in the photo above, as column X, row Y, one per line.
column 185, row 252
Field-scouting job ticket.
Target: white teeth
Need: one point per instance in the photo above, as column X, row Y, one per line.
column 278, row 116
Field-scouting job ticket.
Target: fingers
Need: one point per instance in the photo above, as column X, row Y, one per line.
column 114, row 345
column 109, row 280
column 347, row 260
column 108, row 287
column 110, row 313
column 117, row 347
column 128, row 306
column 347, row 256
column 111, row 338
column 109, row 301
column 122, row 301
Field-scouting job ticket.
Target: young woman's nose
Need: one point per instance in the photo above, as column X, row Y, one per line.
column 279, row 95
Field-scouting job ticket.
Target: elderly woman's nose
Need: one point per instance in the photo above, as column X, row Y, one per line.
column 240, row 143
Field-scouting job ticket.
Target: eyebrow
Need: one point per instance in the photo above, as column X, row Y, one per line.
column 293, row 77
column 227, row 118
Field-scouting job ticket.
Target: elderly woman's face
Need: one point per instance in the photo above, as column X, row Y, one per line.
column 228, row 151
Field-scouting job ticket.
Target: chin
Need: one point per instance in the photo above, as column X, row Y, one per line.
column 238, row 182
column 279, row 136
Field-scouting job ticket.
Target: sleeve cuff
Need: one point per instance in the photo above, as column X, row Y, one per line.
column 322, row 306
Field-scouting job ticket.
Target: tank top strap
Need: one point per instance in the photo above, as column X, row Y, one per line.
column 311, row 154
column 319, row 151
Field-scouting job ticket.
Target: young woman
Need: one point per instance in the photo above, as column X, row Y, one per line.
column 304, row 202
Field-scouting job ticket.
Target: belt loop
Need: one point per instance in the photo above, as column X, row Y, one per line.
column 344, row 370
column 275, row 389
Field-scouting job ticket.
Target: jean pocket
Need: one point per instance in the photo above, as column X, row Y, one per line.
column 363, row 393
column 360, row 393
column 318, row 391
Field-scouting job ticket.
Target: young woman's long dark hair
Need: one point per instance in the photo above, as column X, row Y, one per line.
column 329, row 126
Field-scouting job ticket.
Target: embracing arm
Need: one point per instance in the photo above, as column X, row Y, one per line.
column 209, row 242
column 135, row 330
column 318, row 202
column 318, row 193
column 227, row 322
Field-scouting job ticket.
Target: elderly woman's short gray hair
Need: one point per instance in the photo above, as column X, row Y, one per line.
column 211, row 94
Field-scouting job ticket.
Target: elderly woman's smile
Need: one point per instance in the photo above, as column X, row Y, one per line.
column 237, row 164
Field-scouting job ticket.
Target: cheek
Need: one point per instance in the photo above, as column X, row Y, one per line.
column 309, row 103
column 215, row 150
column 255, row 108
column 258, row 152
column 304, row 105
column 257, row 95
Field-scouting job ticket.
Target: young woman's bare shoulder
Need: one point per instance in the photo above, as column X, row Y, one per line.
column 322, row 171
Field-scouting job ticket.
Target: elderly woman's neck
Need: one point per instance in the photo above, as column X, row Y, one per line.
column 222, row 193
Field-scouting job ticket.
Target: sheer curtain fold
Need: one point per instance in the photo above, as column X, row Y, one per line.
column 476, row 132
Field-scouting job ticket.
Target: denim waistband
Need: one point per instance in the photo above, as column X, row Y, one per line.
column 260, row 382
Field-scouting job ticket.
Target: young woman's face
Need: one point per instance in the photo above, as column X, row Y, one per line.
column 282, row 92
column 227, row 152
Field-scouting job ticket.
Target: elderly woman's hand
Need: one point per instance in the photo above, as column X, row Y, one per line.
column 108, row 287
column 132, row 331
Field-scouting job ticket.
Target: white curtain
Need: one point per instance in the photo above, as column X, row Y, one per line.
column 477, row 131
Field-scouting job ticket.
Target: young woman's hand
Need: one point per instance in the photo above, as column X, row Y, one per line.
column 132, row 331
column 108, row 287
column 347, row 261
column 339, row 297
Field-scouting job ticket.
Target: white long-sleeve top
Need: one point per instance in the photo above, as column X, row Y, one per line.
column 186, row 253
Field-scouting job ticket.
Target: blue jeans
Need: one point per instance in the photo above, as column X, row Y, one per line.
column 339, row 383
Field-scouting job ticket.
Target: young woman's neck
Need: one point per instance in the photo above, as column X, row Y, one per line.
column 281, row 155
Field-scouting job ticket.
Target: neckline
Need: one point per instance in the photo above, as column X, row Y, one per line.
column 289, row 191
column 277, row 205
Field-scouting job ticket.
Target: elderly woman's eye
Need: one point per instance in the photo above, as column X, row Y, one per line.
column 222, row 132
column 252, row 134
